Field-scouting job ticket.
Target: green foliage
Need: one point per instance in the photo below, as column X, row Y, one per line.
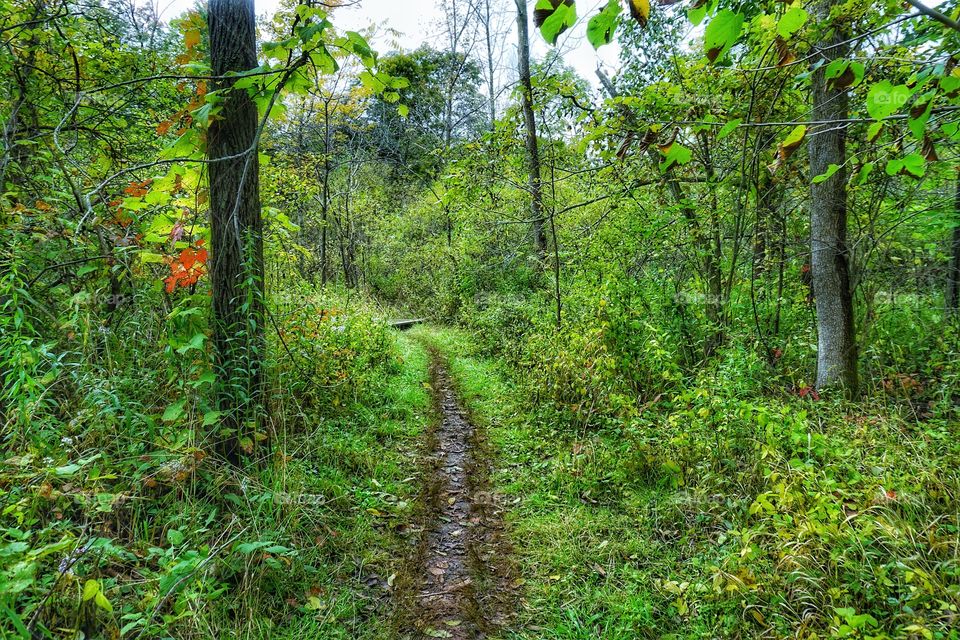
column 334, row 355
column 717, row 511
column 646, row 383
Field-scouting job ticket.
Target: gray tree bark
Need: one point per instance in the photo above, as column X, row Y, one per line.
column 533, row 151
column 236, row 232
column 487, row 20
column 836, row 348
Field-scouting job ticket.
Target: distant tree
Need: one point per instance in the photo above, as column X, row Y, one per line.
column 537, row 217
column 953, row 276
column 435, row 119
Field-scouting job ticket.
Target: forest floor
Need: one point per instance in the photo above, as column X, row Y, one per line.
column 452, row 500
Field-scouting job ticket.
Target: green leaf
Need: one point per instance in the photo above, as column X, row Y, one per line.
column 371, row 82
column 196, row 342
column 12, row 549
column 874, row 130
column 102, row 602
column 90, row 589
column 403, row 110
column 247, row 548
column 791, row 22
column 360, row 47
column 324, row 61
column 952, row 129
column 884, row 99
column 563, row 17
column 844, row 74
column 793, row 140
column 697, row 14
column 174, row 412
column 864, row 173
column 676, row 154
column 67, row 470
column 130, row 626
column 823, row 177
column 918, row 120
column 601, row 27
column 147, row 257
column 915, row 164
column 210, row 418
column 722, row 34
column 728, row 128
column 175, row 537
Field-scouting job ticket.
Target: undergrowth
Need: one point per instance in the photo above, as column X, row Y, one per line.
column 117, row 519
column 711, row 511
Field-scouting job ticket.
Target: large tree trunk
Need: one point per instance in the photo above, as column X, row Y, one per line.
column 953, row 276
column 236, row 232
column 837, row 348
column 533, row 150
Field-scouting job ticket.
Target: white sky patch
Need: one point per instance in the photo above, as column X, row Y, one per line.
column 412, row 23
column 419, row 22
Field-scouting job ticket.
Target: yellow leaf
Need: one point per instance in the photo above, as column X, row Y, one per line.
column 102, row 602
column 640, row 10
column 191, row 38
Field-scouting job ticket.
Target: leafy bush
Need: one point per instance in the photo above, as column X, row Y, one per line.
column 333, row 354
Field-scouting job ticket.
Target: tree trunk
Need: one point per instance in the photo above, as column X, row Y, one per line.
column 327, row 169
column 709, row 247
column 533, row 151
column 953, row 276
column 236, row 233
column 491, row 78
column 837, row 348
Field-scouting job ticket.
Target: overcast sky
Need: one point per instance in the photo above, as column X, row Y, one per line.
column 418, row 22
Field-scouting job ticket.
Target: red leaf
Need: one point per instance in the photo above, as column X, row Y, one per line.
column 187, row 257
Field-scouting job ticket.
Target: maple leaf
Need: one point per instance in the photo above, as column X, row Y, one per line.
column 191, row 38
column 187, row 258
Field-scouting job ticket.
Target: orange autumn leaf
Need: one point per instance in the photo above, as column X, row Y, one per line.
column 191, row 38
column 186, row 268
column 187, row 258
column 138, row 189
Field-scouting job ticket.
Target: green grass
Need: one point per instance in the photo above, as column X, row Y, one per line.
column 711, row 515
column 300, row 546
column 367, row 463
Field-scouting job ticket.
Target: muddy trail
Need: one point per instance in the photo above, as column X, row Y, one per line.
column 460, row 578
